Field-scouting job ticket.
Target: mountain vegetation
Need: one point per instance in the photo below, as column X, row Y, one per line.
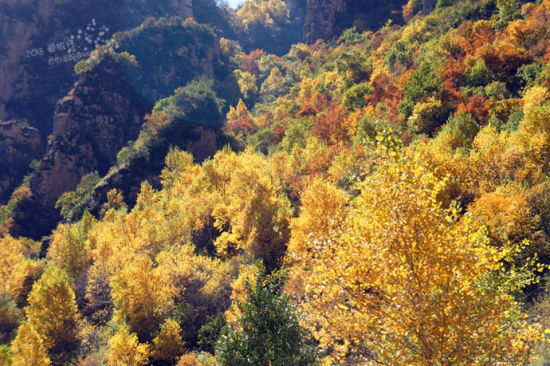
column 230, row 195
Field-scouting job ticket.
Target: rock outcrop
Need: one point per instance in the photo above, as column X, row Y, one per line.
column 35, row 36
column 91, row 124
column 326, row 19
column 321, row 18
column 19, row 145
column 106, row 109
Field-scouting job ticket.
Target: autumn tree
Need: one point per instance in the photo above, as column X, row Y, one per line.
column 142, row 296
column 422, row 85
column 253, row 213
column 247, row 83
column 274, row 84
column 5, row 355
column 463, row 127
column 508, row 10
column 28, row 348
column 324, row 208
column 11, row 257
column 262, row 12
column 168, row 345
column 406, row 280
column 53, row 313
column 534, row 138
column 176, row 162
column 69, row 246
column 329, row 125
column 355, row 64
column 203, row 287
column 125, row 349
column 10, row 318
column 115, row 201
column 239, row 120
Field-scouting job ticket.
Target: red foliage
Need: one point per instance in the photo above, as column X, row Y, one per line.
column 452, row 75
column 239, row 126
column 387, row 94
column 504, row 60
column 481, row 34
column 478, row 106
column 250, row 61
column 278, row 132
column 313, row 105
column 329, row 126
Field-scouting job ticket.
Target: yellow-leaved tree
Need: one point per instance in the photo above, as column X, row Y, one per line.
column 142, row 295
column 28, row 349
column 69, row 246
column 53, row 313
column 125, row 349
column 11, row 256
column 168, row 345
column 404, row 280
column 262, row 12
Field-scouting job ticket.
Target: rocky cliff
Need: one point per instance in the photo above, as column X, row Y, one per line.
column 321, row 18
column 19, row 145
column 326, row 19
column 91, row 124
column 105, row 109
column 41, row 40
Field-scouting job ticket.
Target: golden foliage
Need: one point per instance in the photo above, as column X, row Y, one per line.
column 506, row 213
column 264, row 12
column 28, row 349
column 143, row 295
column 274, row 84
column 69, row 248
column 52, row 310
column 247, row 83
column 239, row 120
column 11, row 258
column 125, row 349
column 247, row 274
column 402, row 280
column 168, row 345
column 115, row 201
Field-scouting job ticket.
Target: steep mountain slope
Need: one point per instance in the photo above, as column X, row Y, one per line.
column 36, row 68
column 106, row 107
column 378, row 197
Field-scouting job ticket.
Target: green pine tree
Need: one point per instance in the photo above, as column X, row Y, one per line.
column 268, row 333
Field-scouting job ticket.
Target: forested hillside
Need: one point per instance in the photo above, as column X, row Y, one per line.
column 237, row 188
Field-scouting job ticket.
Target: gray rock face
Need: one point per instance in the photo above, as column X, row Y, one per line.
column 106, row 107
column 320, row 18
column 326, row 19
column 91, row 124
